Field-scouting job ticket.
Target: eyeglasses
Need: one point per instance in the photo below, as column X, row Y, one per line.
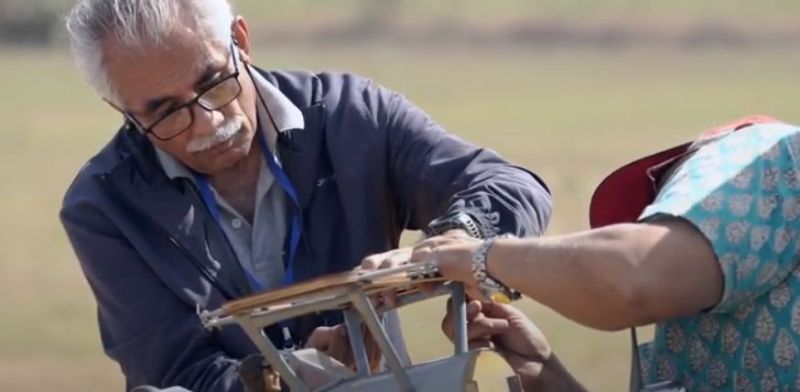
column 180, row 118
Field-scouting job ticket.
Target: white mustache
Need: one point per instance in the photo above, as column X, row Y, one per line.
column 222, row 134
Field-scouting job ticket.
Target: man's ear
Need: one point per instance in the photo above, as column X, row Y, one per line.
column 241, row 38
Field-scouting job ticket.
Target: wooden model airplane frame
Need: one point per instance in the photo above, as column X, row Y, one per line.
column 350, row 293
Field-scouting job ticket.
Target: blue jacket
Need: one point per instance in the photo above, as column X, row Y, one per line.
column 368, row 165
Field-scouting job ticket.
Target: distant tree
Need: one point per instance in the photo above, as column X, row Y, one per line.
column 375, row 15
column 31, row 22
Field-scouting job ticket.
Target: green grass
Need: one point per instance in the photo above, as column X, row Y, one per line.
column 305, row 12
column 570, row 115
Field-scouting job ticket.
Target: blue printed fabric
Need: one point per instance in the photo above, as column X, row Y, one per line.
column 742, row 191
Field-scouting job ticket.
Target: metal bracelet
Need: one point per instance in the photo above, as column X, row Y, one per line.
column 488, row 286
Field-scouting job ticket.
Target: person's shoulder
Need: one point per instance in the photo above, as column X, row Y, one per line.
column 338, row 92
column 758, row 146
column 762, row 155
column 312, row 82
column 759, row 140
column 783, row 139
column 85, row 185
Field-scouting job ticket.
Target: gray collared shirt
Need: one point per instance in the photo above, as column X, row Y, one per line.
column 259, row 247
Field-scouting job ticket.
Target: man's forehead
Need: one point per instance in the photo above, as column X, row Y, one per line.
column 163, row 71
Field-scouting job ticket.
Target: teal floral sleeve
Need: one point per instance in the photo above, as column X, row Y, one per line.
column 742, row 192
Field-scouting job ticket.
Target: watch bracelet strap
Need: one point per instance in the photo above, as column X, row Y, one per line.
column 489, row 286
column 459, row 220
column 471, row 227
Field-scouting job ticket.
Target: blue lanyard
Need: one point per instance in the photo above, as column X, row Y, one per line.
column 295, row 223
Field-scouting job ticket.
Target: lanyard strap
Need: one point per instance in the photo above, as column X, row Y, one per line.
column 295, row 222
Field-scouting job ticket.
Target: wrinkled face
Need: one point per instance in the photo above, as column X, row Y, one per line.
column 153, row 81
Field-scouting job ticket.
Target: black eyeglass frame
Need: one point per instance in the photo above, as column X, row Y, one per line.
column 188, row 105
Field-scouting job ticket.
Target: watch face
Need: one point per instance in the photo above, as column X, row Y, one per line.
column 493, row 291
column 501, row 298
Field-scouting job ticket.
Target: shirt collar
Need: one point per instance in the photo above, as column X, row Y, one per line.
column 172, row 167
column 287, row 116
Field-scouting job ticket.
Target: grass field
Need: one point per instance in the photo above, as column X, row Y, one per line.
column 569, row 115
column 277, row 11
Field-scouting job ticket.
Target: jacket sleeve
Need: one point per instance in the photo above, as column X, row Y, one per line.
column 433, row 172
column 154, row 336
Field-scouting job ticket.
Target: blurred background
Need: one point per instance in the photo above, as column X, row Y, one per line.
column 569, row 88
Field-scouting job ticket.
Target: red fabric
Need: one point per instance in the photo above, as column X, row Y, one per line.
column 623, row 195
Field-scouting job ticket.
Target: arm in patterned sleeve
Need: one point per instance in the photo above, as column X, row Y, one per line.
column 741, row 192
column 720, row 233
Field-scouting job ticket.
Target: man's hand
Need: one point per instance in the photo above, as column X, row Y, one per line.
column 391, row 259
column 454, row 256
column 508, row 331
column 334, row 342
column 518, row 341
column 397, row 257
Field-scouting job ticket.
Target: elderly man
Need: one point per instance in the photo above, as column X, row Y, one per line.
column 225, row 180
column 711, row 257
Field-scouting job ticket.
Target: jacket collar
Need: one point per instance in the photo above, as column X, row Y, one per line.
column 300, row 148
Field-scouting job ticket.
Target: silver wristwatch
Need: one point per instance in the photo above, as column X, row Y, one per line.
column 454, row 220
column 488, row 286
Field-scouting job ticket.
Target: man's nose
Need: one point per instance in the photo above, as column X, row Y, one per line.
column 205, row 121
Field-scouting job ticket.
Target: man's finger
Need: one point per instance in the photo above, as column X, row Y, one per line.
column 393, row 260
column 427, row 246
column 421, row 255
column 389, row 298
column 498, row 310
column 474, row 308
column 448, row 322
column 426, row 243
column 479, row 343
column 473, row 293
column 371, row 262
column 448, row 326
column 485, row 327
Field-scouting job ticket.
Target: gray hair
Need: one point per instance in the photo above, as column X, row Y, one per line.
column 135, row 24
